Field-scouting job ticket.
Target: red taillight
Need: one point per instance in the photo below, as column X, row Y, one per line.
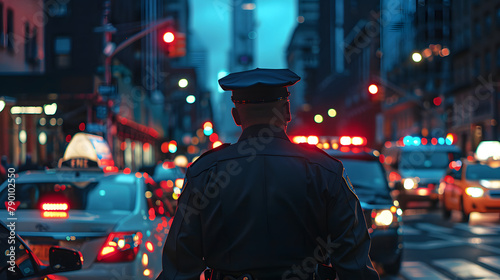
column 106, row 162
column 448, row 179
column 120, row 247
column 54, row 210
column 168, row 165
column 394, row 176
column 55, row 206
column 109, row 169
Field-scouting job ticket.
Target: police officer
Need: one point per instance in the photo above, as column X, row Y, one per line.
column 265, row 208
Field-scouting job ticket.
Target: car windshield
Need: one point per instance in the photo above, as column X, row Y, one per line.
column 368, row 179
column 425, row 160
column 111, row 192
column 162, row 173
column 482, row 172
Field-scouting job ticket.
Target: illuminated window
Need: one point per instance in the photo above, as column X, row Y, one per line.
column 62, row 50
column 27, row 41
column 2, row 32
column 10, row 30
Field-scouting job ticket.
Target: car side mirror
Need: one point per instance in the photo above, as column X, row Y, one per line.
column 62, row 259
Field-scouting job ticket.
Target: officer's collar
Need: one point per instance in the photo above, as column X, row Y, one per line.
column 263, row 130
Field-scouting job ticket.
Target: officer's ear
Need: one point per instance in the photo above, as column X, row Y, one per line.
column 236, row 116
column 286, row 109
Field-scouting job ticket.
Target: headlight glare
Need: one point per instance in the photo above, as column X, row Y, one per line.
column 384, row 218
column 474, row 191
column 409, row 183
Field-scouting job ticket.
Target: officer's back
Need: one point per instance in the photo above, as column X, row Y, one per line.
column 266, row 207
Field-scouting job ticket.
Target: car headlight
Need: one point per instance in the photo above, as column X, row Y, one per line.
column 383, row 218
column 474, row 191
column 409, row 183
column 386, row 217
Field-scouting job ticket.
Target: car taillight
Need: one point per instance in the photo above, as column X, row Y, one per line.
column 394, row 176
column 385, row 217
column 54, row 210
column 120, row 247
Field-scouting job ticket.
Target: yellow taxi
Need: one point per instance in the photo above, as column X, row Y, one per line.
column 471, row 186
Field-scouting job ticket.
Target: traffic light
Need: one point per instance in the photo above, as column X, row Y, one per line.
column 373, row 89
column 375, row 92
column 173, row 43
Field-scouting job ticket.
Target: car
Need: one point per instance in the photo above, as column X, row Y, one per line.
column 170, row 177
column 470, row 186
column 381, row 210
column 19, row 261
column 115, row 220
column 415, row 167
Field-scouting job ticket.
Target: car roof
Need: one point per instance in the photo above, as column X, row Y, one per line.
column 60, row 175
column 358, row 154
column 436, row 148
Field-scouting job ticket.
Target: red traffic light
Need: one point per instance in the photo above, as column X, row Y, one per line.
column 168, row 37
column 373, row 89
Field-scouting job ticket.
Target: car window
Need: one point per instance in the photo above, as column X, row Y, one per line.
column 111, row 192
column 482, row 172
column 425, row 160
column 368, row 179
column 162, row 173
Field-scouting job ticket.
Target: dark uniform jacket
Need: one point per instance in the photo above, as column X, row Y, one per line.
column 268, row 207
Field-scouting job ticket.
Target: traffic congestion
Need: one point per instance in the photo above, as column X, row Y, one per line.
column 250, row 139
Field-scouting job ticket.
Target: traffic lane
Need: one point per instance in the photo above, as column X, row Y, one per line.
column 440, row 249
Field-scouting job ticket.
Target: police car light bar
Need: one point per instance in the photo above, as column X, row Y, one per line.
column 327, row 142
column 417, row 141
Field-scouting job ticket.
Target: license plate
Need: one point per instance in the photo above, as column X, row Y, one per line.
column 41, row 251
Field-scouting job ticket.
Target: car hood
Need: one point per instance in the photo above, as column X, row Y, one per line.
column 425, row 175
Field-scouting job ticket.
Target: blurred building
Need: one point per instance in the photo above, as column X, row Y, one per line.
column 303, row 59
column 416, row 67
column 68, row 73
column 22, row 53
column 473, row 114
column 336, row 47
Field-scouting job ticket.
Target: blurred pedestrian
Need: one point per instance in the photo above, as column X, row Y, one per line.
column 29, row 165
column 265, row 208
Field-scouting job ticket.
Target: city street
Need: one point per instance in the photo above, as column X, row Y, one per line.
column 120, row 119
column 436, row 249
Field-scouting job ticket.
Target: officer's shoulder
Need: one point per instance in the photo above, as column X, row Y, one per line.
column 207, row 157
column 319, row 156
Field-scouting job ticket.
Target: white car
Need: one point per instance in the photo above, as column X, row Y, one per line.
column 117, row 221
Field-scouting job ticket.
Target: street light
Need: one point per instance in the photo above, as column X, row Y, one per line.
column 332, row 113
column 318, row 118
column 417, row 57
column 183, row 83
column 190, row 99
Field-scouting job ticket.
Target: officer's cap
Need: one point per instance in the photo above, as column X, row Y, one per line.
column 259, row 85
